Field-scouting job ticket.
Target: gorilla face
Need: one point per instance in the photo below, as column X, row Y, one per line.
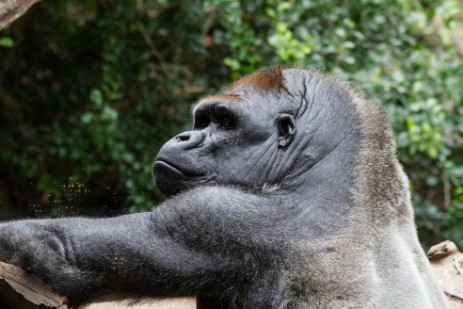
column 237, row 139
column 231, row 143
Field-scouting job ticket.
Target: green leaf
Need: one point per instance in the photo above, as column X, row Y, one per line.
column 6, row 42
column 96, row 97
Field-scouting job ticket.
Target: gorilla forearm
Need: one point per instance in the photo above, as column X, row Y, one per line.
column 77, row 256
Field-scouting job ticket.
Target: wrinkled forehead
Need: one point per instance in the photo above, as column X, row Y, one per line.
column 264, row 82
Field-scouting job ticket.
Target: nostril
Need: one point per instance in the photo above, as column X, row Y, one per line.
column 188, row 140
column 183, row 137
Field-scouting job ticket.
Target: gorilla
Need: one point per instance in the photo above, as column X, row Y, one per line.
column 287, row 193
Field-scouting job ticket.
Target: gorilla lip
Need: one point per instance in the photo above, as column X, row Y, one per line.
column 173, row 168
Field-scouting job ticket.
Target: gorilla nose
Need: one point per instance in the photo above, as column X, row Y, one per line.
column 188, row 140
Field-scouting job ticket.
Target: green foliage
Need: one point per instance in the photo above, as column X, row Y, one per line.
column 91, row 89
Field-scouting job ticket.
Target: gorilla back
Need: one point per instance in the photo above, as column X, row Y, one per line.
column 287, row 193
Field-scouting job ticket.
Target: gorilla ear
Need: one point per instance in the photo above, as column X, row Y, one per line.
column 286, row 129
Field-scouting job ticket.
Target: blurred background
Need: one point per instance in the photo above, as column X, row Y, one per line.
column 91, row 89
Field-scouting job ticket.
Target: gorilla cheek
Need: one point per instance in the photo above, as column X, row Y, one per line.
column 240, row 167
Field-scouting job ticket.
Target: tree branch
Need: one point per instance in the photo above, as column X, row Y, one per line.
column 10, row 10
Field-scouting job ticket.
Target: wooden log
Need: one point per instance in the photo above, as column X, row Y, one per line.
column 447, row 263
column 20, row 290
column 131, row 302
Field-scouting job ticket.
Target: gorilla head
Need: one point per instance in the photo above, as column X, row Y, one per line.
column 247, row 136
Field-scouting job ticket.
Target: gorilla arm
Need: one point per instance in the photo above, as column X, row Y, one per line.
column 191, row 243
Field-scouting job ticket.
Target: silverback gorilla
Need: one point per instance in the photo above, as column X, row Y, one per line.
column 287, row 193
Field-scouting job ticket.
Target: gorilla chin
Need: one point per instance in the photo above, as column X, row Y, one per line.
column 172, row 179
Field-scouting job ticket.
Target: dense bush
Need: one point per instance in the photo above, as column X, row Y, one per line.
column 89, row 90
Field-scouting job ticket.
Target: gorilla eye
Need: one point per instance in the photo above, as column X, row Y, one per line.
column 227, row 123
column 224, row 118
column 221, row 117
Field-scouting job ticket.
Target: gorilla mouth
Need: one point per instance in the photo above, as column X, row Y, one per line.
column 174, row 168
